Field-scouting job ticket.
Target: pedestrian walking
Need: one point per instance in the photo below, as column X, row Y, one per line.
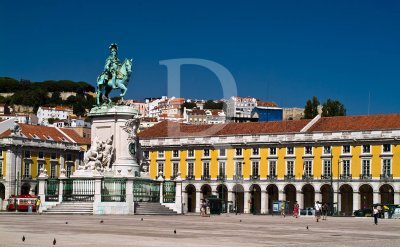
column 317, row 208
column 325, row 208
column 38, row 203
column 203, row 208
column 283, row 209
column 296, row 207
column 376, row 215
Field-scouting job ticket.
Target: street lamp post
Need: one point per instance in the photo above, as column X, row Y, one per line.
column 337, row 192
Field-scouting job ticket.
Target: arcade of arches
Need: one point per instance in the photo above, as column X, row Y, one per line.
column 258, row 199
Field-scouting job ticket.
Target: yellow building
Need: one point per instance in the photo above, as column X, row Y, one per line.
column 25, row 149
column 347, row 162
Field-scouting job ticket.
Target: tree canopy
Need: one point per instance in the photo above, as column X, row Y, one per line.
column 311, row 108
column 329, row 109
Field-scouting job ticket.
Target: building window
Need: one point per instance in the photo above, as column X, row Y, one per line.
column 366, row 149
column 386, row 167
column 272, row 168
column 290, row 150
column 190, row 169
column 206, row 169
column 221, row 169
column 346, row 168
column 327, row 149
column 175, row 153
column 27, row 170
column 206, row 152
column 1, row 152
column 238, row 152
column 222, row 152
column 387, row 148
column 327, row 168
column 27, row 154
column 161, row 154
column 238, row 170
column 175, row 169
column 366, row 167
column 191, row 153
column 272, row 151
column 256, row 151
column 346, row 149
column 160, row 168
column 290, row 168
column 53, row 170
column 53, row 156
column 69, row 171
column 307, row 168
column 69, row 157
column 308, row 150
column 1, row 168
column 41, row 155
column 255, row 168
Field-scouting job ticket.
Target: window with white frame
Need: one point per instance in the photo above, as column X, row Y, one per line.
column 346, row 149
column 53, row 156
column 307, row 168
column 175, row 153
column 387, row 148
column 366, row 149
column 191, row 153
column 41, row 155
column 238, row 152
column 386, row 167
column 160, row 168
column 206, row 152
column 327, row 149
column 27, row 169
column 206, row 169
column 222, row 152
column 290, row 150
column 272, row 151
column 191, row 169
column 221, row 168
column 53, row 170
column 27, row 154
column 160, row 153
column 308, row 150
column 238, row 170
column 1, row 168
column 290, row 168
column 256, row 151
column 69, row 171
column 327, row 169
column 1, row 152
column 366, row 167
column 175, row 169
column 255, row 168
column 346, row 168
column 272, row 168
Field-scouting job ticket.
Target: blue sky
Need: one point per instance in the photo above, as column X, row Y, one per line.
column 281, row 51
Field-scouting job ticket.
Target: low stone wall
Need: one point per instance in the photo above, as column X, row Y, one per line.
column 113, row 208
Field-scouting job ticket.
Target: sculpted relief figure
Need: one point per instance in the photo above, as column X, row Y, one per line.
column 108, row 153
column 99, row 156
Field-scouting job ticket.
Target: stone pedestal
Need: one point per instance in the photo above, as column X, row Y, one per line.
column 110, row 121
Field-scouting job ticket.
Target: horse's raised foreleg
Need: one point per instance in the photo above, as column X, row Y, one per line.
column 123, row 91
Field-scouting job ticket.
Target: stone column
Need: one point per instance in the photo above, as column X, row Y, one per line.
column 62, row 162
column 10, row 173
column 246, row 202
column 264, row 199
column 356, row 201
column 198, row 202
column 129, row 193
column 230, row 199
column 281, row 195
column 300, row 198
column 178, row 196
column 97, row 188
column 396, row 197
column 161, row 191
column 339, row 202
column 61, row 188
column 376, row 197
column 318, row 196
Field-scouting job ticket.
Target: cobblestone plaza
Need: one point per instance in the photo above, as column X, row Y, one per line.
column 192, row 230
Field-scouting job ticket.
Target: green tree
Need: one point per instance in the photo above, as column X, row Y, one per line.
column 311, row 108
column 210, row 104
column 333, row 108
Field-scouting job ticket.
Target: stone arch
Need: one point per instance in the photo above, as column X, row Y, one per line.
column 366, row 196
column 273, row 195
column 255, row 199
column 308, row 195
column 2, row 191
column 290, row 192
column 238, row 193
column 346, row 199
column 327, row 195
column 25, row 188
column 205, row 191
column 387, row 194
column 191, row 198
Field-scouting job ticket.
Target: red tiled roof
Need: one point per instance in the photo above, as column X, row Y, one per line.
column 171, row 129
column 360, row 123
column 74, row 136
column 266, row 103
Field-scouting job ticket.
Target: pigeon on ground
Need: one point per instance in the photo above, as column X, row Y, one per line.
column 240, row 220
column 175, row 231
column 54, row 241
column 101, row 221
column 23, row 238
column 307, row 227
column 142, row 219
column 66, row 222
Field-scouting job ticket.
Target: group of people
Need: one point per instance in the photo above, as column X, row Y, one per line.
column 203, row 208
column 321, row 209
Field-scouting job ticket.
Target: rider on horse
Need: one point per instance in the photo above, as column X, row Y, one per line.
column 112, row 64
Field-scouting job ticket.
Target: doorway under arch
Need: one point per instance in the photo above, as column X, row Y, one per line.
column 191, row 198
column 273, row 195
column 255, row 199
column 387, row 194
column 238, row 193
column 346, row 200
column 327, row 195
column 366, row 196
column 290, row 192
column 205, row 191
column 2, row 191
column 308, row 196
